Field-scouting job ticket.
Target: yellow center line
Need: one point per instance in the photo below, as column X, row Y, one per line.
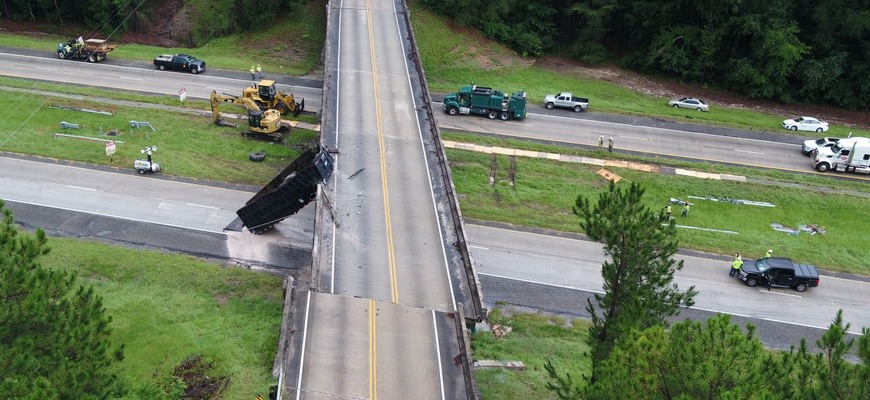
column 373, row 351
column 391, row 253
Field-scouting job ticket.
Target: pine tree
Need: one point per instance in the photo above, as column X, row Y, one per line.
column 638, row 278
column 715, row 360
column 54, row 335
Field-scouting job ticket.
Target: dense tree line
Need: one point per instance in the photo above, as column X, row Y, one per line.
column 110, row 17
column 786, row 50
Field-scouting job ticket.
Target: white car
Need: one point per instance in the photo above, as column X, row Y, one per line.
column 805, row 124
column 811, row 145
column 690, row 103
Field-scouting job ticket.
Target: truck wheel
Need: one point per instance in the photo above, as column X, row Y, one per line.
column 801, row 287
column 492, row 115
column 504, row 116
column 550, row 106
column 161, row 67
column 452, row 110
column 257, row 156
column 92, row 58
column 60, row 55
column 194, row 71
column 141, row 171
column 823, row 167
column 281, row 108
column 578, row 109
column 751, row 281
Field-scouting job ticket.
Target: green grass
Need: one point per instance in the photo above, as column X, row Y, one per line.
column 165, row 307
column 534, row 339
column 546, row 191
column 291, row 45
column 188, row 146
column 452, row 58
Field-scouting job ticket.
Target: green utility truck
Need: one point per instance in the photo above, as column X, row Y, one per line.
column 486, row 101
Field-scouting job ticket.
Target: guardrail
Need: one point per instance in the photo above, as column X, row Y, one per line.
column 477, row 312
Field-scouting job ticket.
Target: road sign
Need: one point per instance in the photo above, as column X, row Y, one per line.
column 182, row 94
column 110, row 148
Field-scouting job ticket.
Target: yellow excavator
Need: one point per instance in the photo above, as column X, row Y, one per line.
column 267, row 97
column 264, row 125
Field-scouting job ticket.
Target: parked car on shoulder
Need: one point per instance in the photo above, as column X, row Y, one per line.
column 810, row 145
column 690, row 103
column 181, row 62
column 779, row 272
column 805, row 124
column 566, row 100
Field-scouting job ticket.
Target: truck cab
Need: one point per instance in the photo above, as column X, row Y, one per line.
column 852, row 155
column 483, row 100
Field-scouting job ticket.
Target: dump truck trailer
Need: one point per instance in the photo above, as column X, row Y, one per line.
column 92, row 50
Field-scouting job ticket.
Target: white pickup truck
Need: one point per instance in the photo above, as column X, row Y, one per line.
column 566, row 100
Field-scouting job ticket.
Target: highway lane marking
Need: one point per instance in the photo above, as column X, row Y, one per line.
column 81, row 188
column 302, row 351
column 471, row 246
column 40, row 68
column 438, row 353
column 115, row 174
column 692, row 307
column 519, row 123
column 391, row 250
column 632, row 137
column 130, row 78
column 373, row 350
column 748, row 151
column 203, row 206
column 221, row 232
column 337, row 160
column 778, row 293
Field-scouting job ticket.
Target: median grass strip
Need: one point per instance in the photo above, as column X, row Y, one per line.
column 165, row 307
column 187, row 145
column 546, row 190
column 534, row 338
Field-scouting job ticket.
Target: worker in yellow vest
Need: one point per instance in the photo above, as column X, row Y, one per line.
column 735, row 266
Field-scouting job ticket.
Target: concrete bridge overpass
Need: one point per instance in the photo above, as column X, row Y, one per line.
column 392, row 283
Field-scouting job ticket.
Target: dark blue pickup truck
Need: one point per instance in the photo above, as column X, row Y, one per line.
column 779, row 272
column 181, row 62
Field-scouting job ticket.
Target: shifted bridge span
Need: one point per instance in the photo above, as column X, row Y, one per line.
column 392, row 284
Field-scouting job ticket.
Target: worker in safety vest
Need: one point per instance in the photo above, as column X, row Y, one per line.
column 735, row 266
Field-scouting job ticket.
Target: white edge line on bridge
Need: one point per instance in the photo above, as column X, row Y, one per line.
column 113, row 216
column 693, row 307
column 438, row 354
column 425, row 157
column 302, row 351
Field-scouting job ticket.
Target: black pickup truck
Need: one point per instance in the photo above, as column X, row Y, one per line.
column 779, row 272
column 181, row 62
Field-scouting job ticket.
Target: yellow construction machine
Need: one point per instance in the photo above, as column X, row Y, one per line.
column 264, row 125
column 267, row 97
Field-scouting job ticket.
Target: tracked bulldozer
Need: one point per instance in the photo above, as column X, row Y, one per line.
column 267, row 96
column 263, row 125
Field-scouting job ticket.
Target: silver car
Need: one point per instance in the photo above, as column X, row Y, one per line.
column 690, row 103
